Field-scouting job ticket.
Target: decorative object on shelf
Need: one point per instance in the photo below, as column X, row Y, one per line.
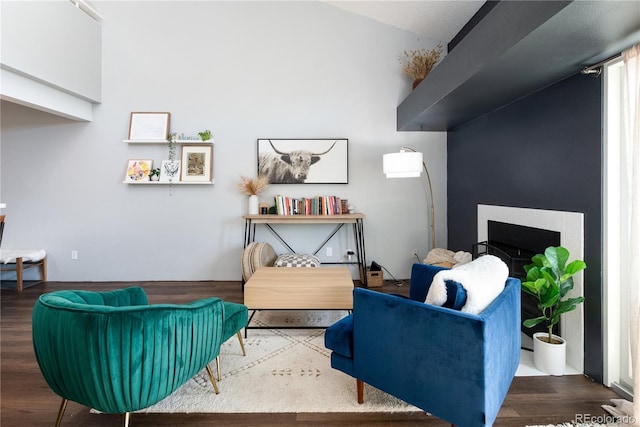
column 154, row 175
column 205, row 135
column 138, row 170
column 149, row 126
column 254, row 203
column 264, row 208
column 304, row 161
column 420, row 62
column 253, row 187
column 408, row 163
column 197, row 163
column 170, row 171
column 549, row 279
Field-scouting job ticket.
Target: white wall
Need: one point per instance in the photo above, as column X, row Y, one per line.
column 244, row 70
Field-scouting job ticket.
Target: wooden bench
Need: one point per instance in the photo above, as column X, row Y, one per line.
column 19, row 260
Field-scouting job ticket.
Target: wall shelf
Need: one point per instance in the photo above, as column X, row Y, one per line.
column 166, row 183
column 164, row 141
column 208, row 142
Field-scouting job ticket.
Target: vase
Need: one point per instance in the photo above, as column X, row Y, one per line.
column 549, row 358
column 416, row 82
column 254, row 203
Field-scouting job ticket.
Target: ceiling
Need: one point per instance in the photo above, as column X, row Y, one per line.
column 435, row 19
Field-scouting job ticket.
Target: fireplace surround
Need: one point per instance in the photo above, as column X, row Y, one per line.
column 516, row 245
column 570, row 226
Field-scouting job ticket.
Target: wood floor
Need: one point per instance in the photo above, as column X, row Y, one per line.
column 26, row 400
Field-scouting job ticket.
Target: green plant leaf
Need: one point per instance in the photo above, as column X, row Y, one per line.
column 575, row 266
column 557, row 257
column 568, row 305
column 529, row 323
column 549, row 299
column 549, row 276
column 533, row 274
column 565, row 285
column 540, row 261
column 530, row 288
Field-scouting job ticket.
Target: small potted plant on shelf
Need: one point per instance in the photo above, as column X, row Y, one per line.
column 549, row 279
column 154, row 174
column 253, row 187
column 420, row 62
column 171, row 139
column 205, row 135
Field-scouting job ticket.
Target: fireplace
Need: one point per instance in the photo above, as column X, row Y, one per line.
column 570, row 227
column 515, row 245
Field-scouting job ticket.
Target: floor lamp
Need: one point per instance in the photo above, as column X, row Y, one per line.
column 408, row 163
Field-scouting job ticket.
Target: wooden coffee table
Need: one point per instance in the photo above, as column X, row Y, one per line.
column 299, row 288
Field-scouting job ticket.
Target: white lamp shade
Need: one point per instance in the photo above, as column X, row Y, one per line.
column 406, row 164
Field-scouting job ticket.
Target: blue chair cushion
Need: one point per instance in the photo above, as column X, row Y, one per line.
column 339, row 336
column 456, row 295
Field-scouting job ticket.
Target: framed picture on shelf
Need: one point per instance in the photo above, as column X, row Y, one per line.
column 149, row 126
column 138, row 170
column 197, row 163
column 170, row 171
column 304, row 161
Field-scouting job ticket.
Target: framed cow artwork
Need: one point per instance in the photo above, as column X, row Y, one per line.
column 304, row 161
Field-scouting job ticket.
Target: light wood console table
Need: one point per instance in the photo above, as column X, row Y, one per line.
column 298, row 288
column 356, row 219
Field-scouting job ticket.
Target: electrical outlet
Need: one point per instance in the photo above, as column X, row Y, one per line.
column 349, row 253
column 329, row 251
column 414, row 254
column 74, row 254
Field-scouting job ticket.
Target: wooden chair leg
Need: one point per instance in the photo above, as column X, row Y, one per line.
column 43, row 269
column 19, row 273
column 218, row 366
column 63, row 406
column 360, row 387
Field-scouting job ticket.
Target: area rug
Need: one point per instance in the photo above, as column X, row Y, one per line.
column 285, row 370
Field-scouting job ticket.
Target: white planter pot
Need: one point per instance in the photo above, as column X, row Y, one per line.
column 254, row 204
column 549, row 358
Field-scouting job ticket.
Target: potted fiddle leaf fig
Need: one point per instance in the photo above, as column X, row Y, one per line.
column 549, row 279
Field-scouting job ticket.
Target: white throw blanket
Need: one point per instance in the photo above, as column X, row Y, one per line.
column 8, row 256
column 482, row 278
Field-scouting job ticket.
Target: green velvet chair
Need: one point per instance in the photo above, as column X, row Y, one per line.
column 114, row 352
column 236, row 317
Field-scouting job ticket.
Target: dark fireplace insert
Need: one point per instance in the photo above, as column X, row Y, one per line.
column 515, row 245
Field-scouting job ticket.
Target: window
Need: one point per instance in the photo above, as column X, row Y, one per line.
column 616, row 231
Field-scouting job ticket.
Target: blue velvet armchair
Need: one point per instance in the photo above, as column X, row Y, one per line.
column 454, row 365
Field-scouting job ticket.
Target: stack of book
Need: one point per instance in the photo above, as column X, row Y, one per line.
column 321, row 205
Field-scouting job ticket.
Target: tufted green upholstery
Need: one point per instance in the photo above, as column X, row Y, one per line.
column 114, row 352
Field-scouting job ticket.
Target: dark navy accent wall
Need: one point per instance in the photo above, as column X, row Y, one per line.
column 543, row 151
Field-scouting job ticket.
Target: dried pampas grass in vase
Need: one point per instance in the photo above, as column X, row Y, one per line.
column 253, row 187
column 420, row 62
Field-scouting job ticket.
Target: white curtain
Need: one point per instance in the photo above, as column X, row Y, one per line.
column 631, row 150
